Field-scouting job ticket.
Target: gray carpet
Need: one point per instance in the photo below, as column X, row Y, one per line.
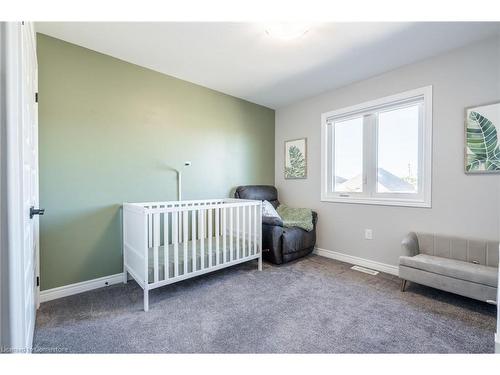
column 315, row 305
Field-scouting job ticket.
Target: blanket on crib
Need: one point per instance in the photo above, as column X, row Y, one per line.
column 296, row 217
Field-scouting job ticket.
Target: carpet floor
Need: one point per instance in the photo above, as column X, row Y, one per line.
column 314, row 305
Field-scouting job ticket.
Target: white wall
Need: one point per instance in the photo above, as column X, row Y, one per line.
column 462, row 205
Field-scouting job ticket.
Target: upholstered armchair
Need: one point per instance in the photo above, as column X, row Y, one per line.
column 279, row 244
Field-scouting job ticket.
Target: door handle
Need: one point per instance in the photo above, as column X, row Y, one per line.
column 36, row 211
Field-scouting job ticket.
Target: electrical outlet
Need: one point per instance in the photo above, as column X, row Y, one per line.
column 368, row 234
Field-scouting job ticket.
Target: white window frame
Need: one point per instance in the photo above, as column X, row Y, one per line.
column 422, row 96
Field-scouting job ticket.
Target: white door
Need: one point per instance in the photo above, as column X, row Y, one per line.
column 22, row 177
column 30, row 173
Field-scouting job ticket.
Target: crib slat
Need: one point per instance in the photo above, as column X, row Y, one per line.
column 250, row 226
column 156, row 244
column 209, row 236
column 180, row 225
column 238, row 234
column 175, row 240
column 244, row 217
column 193, row 239
column 255, row 229
column 217, row 233
column 224, row 234
column 249, row 240
column 243, row 232
column 230, row 233
column 150, row 230
column 185, row 239
column 165, row 245
column 202, row 238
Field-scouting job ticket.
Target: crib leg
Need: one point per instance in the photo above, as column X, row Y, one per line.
column 146, row 300
column 260, row 262
column 125, row 276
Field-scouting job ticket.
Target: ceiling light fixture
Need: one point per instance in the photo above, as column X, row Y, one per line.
column 287, row 31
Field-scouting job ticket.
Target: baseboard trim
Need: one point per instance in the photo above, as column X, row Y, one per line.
column 84, row 286
column 374, row 265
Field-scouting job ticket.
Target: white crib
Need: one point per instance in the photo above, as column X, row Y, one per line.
column 166, row 242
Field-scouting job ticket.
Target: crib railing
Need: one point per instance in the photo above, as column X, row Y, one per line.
column 165, row 242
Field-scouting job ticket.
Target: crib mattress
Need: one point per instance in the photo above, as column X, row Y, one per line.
column 246, row 248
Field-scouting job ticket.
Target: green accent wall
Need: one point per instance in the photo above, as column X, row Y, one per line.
column 110, row 132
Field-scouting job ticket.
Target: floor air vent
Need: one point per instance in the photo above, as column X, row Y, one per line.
column 365, row 270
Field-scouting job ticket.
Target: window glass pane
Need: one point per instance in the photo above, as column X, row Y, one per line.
column 348, row 155
column 398, row 150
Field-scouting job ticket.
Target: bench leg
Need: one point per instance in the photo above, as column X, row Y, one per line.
column 146, row 300
column 403, row 285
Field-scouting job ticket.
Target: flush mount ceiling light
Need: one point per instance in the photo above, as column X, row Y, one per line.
column 287, row 31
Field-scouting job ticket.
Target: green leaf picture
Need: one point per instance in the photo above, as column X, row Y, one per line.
column 483, row 148
column 295, row 159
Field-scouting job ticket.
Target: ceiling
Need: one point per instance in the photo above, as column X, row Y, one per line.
column 242, row 60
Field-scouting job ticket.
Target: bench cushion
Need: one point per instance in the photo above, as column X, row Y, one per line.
column 476, row 273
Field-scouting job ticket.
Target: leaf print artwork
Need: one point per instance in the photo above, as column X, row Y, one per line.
column 295, row 159
column 483, row 148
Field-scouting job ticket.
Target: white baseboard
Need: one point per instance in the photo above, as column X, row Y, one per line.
column 84, row 286
column 374, row 265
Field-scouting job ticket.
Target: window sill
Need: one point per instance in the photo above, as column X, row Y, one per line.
column 379, row 201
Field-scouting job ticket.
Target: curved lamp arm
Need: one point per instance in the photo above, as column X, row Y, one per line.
column 179, row 180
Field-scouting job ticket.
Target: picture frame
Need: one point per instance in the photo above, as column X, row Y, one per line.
column 295, row 159
column 482, row 144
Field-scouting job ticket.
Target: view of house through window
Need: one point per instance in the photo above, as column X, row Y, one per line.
column 376, row 152
column 397, row 150
column 348, row 158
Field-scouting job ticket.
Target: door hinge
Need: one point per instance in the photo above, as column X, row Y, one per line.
column 38, row 281
column 36, row 97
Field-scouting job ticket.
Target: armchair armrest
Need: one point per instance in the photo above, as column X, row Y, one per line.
column 269, row 220
column 409, row 245
column 272, row 233
column 315, row 217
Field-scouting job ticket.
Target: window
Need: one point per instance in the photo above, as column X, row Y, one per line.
column 379, row 152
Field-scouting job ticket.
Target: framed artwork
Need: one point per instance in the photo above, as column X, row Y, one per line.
column 296, row 158
column 482, row 146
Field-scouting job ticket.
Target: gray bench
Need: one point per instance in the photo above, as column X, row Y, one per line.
column 457, row 265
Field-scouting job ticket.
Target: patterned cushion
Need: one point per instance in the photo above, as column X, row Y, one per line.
column 268, row 210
